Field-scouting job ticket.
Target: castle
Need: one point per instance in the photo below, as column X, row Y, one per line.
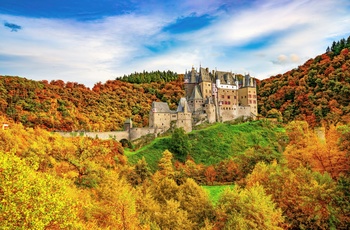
column 215, row 96
column 209, row 97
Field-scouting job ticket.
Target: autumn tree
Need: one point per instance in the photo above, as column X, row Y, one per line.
column 195, row 201
column 307, row 199
column 210, row 174
column 32, row 200
column 142, row 170
column 248, row 208
column 309, row 150
column 115, row 204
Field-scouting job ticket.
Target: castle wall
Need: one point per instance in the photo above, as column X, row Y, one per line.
column 133, row 134
column 206, row 89
column 184, row 120
column 118, row 135
column 161, row 120
column 136, row 133
column 151, row 119
column 244, row 111
column 196, row 106
column 227, row 115
column 248, row 97
column 227, row 98
column 210, row 111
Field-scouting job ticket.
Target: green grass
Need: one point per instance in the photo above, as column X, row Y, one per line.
column 215, row 143
column 215, row 191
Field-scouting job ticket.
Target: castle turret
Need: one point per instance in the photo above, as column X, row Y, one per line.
column 184, row 115
column 128, row 124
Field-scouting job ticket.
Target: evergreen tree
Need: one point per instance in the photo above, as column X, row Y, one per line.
column 180, row 144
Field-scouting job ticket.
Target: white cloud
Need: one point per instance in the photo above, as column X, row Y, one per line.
column 76, row 51
column 88, row 52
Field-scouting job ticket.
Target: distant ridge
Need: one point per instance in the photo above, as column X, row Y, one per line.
column 318, row 91
column 70, row 106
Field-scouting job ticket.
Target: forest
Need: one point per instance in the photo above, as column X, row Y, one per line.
column 317, row 92
column 301, row 182
column 292, row 172
column 69, row 106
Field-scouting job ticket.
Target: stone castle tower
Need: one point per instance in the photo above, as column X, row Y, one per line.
column 161, row 117
column 220, row 96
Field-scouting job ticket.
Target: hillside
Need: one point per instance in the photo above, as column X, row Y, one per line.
column 220, row 142
column 57, row 105
column 318, row 91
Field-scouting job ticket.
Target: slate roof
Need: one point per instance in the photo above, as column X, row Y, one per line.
column 225, row 77
column 161, row 107
column 205, row 75
column 183, row 106
column 196, row 93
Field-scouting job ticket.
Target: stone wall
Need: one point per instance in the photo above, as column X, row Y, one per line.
column 134, row 134
column 243, row 111
column 118, row 135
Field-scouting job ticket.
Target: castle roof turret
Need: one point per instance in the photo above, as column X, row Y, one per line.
column 183, row 106
column 204, row 75
column 225, row 77
column 196, row 93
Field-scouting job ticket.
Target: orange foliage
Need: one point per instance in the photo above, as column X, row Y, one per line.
column 309, row 150
column 71, row 106
column 304, row 93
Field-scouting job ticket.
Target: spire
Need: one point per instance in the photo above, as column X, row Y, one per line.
column 196, row 94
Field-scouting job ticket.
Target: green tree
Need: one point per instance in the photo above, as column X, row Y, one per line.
column 180, row 144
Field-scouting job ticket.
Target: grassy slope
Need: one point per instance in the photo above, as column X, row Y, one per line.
column 215, row 143
column 215, row 191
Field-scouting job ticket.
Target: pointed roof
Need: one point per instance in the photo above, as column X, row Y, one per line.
column 193, row 76
column 183, row 106
column 204, row 75
column 225, row 77
column 196, row 93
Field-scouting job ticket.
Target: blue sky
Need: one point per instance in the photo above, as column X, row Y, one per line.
column 88, row 41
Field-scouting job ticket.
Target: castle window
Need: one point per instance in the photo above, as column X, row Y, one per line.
column 222, row 96
column 250, row 101
column 235, row 97
column 245, row 96
column 254, row 101
column 228, row 97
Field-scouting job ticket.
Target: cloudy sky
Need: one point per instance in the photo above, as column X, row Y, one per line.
column 89, row 41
